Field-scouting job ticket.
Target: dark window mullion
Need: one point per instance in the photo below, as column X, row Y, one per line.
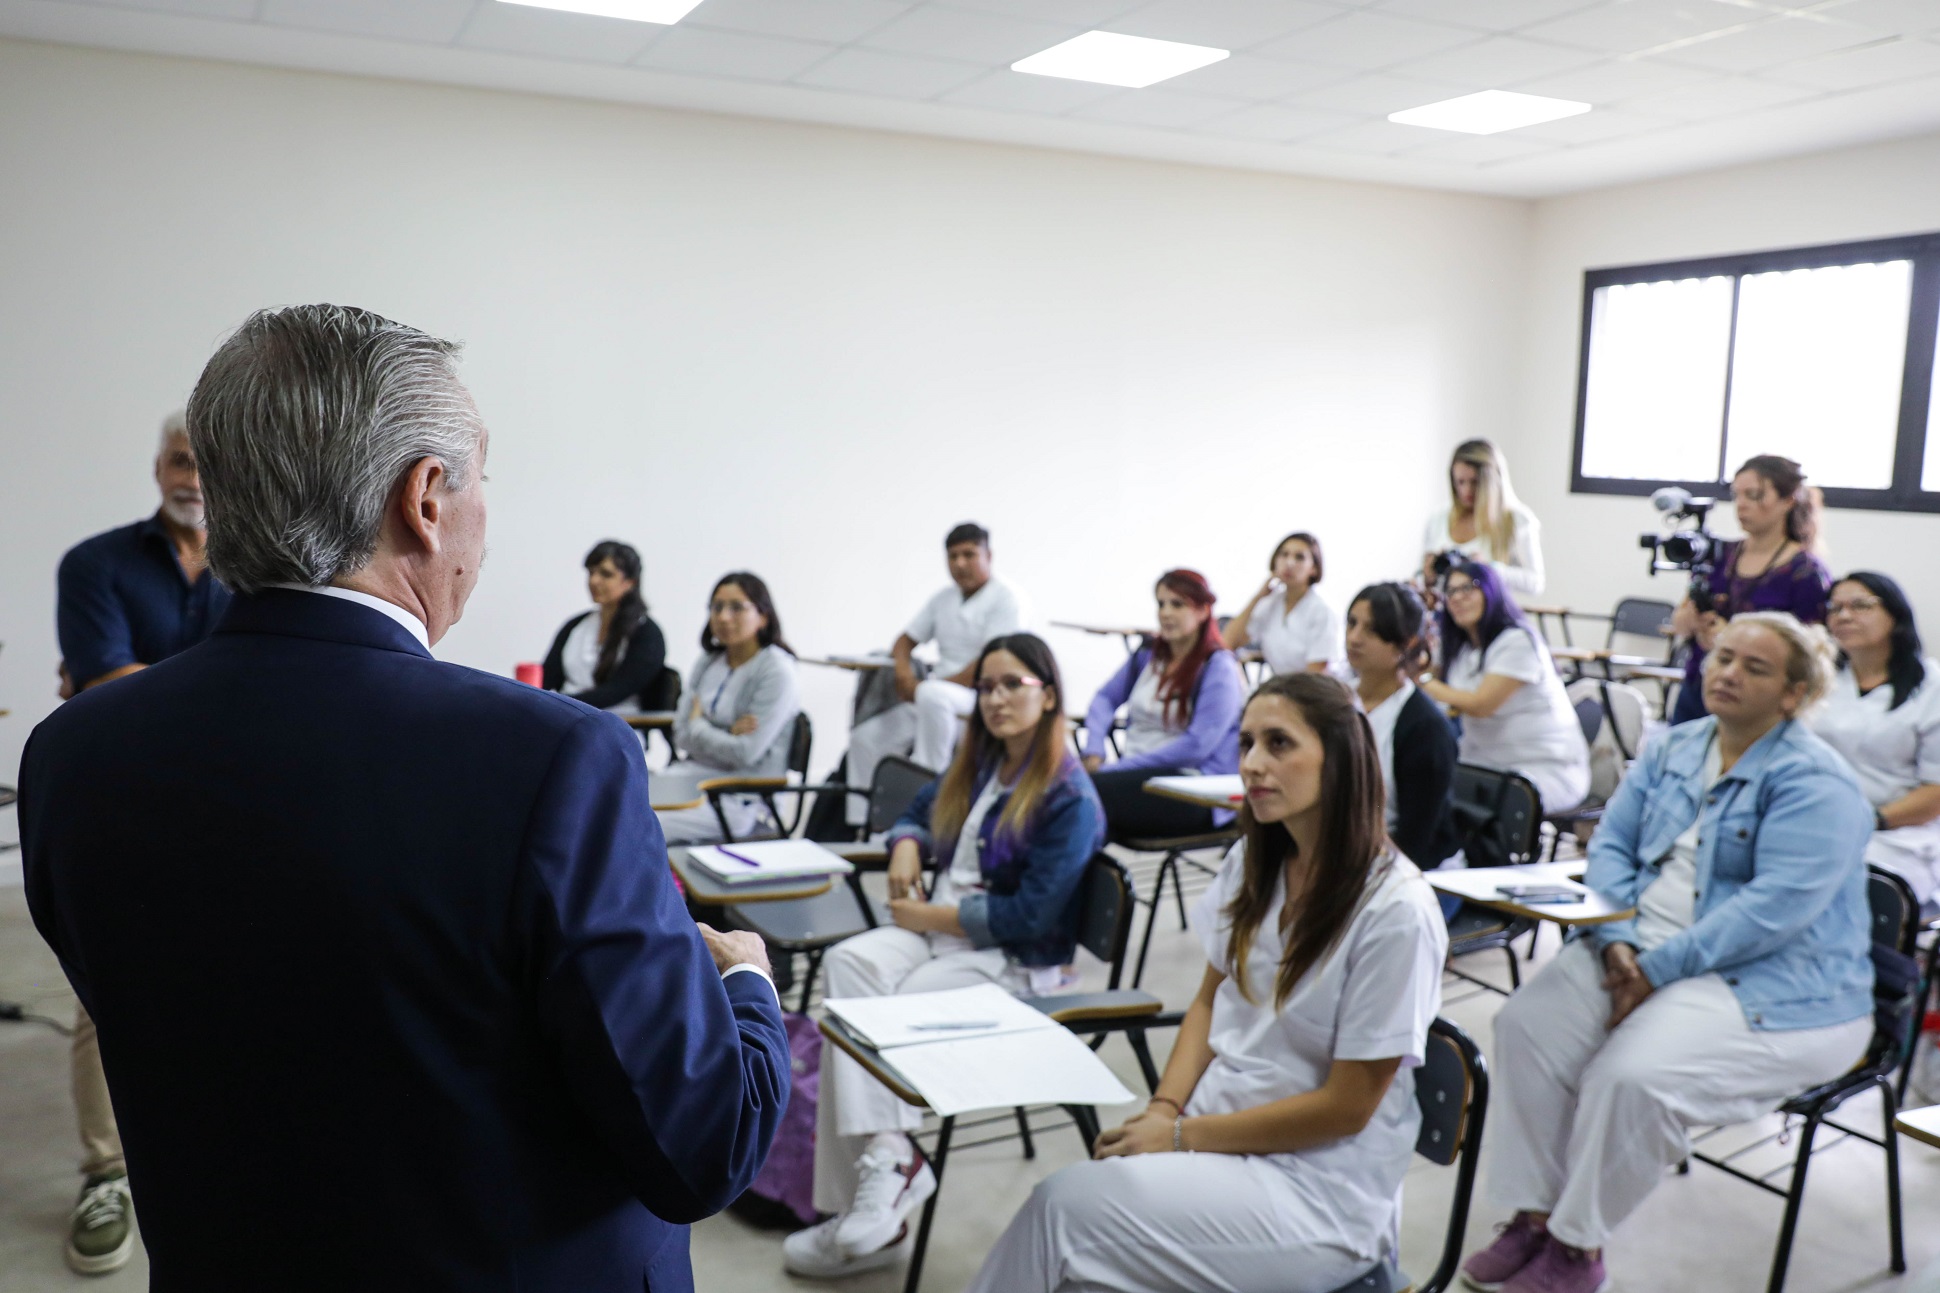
column 1916, row 383
column 1730, row 363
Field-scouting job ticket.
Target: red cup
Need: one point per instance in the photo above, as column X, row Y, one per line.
column 532, row 675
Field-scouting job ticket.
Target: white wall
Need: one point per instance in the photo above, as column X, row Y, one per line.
column 803, row 350
column 1858, row 193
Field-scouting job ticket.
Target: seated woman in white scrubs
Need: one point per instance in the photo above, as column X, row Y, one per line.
column 740, row 708
column 1884, row 715
column 1271, row 1156
column 1498, row 678
column 1745, row 978
column 1286, row 620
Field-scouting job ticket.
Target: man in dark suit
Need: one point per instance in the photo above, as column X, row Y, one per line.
column 393, row 987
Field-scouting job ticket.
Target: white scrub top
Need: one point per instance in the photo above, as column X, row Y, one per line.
column 1536, row 732
column 1292, row 640
column 1372, row 998
column 1146, row 728
column 961, row 625
column 1894, row 751
column 581, row 656
column 1381, row 719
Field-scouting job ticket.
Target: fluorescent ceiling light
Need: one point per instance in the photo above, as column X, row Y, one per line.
column 1489, row 112
column 1111, row 59
column 660, row 11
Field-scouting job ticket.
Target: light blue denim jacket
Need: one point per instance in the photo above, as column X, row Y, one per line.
column 1781, row 902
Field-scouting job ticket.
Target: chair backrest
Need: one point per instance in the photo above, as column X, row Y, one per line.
column 662, row 692
column 801, row 743
column 1589, row 717
column 1452, row 1091
column 1639, row 617
column 1624, row 717
column 1498, row 815
column 1106, row 903
column 1896, row 969
column 894, row 786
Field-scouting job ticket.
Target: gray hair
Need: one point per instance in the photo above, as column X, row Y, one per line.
column 176, row 423
column 302, row 423
column 1811, row 658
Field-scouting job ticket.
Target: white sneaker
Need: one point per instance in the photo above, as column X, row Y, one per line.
column 889, row 1191
column 815, row 1253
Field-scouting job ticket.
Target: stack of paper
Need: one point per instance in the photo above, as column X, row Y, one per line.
column 980, row 1048
column 766, row 860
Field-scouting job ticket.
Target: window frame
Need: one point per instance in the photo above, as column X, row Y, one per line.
column 1916, row 377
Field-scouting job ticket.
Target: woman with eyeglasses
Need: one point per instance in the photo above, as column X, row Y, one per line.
column 609, row 656
column 739, row 709
column 1883, row 715
column 1182, row 693
column 1272, row 1153
column 1009, row 829
column 1498, row 678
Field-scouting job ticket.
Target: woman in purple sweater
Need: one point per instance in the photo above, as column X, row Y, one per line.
column 1775, row 567
column 1182, row 692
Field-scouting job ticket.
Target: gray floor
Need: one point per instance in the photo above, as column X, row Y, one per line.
column 1697, row 1232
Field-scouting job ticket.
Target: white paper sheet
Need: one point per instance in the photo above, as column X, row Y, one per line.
column 1227, row 787
column 983, row 1072
column 895, row 1022
column 766, row 860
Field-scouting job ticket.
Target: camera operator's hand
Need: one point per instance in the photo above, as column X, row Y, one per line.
column 1684, row 620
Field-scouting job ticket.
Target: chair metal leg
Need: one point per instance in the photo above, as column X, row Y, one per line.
column 1085, row 1119
column 1152, row 918
column 1143, row 1050
column 1919, row 1019
column 1024, row 1133
column 1782, row 1257
column 808, row 978
column 915, row 1275
column 1179, row 887
column 1895, row 1237
column 1515, row 970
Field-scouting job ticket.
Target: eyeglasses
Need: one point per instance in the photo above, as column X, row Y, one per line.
column 1460, row 590
column 1009, row 685
column 729, row 608
column 1858, row 606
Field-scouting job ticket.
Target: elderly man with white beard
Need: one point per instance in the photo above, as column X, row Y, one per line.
column 129, row 598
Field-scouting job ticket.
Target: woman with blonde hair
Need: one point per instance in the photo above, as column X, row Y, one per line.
column 1744, row 978
column 1010, row 827
column 1485, row 521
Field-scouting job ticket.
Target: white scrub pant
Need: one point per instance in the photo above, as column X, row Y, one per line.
column 1203, row 1223
column 1911, row 859
column 1585, row 1121
column 678, row 782
column 1560, row 785
column 926, row 730
column 852, row 1106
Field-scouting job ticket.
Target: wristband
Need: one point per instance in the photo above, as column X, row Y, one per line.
column 1178, row 1134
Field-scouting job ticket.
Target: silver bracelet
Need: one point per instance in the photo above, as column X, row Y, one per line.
column 1178, row 1134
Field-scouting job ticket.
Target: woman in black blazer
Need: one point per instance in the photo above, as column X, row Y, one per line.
column 1385, row 650
column 611, row 656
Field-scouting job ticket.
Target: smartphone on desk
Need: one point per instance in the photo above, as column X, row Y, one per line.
column 1541, row 894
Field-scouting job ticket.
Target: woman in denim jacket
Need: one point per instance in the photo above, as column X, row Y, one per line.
column 1010, row 826
column 1744, row 978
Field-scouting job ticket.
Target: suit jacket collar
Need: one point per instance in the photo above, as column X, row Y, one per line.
column 287, row 612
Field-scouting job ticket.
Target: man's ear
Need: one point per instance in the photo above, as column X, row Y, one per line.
column 419, row 506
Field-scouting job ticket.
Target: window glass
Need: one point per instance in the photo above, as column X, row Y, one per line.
column 1654, row 398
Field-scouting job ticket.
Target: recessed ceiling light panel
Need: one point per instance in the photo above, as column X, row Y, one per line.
column 1490, row 112
column 660, row 11
column 1109, row 58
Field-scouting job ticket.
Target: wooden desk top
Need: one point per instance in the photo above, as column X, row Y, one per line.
column 853, row 663
column 1209, row 792
column 1921, row 1124
column 652, row 720
column 1478, row 885
column 702, row 887
column 678, row 805
column 1528, row 609
column 1104, row 630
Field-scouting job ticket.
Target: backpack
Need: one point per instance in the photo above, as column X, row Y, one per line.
column 1620, row 738
column 783, row 1196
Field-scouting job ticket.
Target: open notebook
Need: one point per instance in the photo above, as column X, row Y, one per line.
column 766, row 860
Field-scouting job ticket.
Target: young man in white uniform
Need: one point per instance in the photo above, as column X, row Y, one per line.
column 976, row 607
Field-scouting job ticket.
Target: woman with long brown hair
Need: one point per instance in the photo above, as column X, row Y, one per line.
column 1009, row 828
column 1290, row 1082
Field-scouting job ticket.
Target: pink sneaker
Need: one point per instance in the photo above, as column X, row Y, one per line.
column 1558, row 1268
column 1515, row 1246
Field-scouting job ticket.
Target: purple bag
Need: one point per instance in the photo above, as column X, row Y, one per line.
column 783, row 1196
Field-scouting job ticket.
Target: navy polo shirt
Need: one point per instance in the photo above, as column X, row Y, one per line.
column 124, row 599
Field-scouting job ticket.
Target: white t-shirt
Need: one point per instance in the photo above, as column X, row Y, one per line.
column 1145, row 726
column 1894, row 751
column 581, row 656
column 961, row 625
column 1668, row 904
column 1536, row 732
column 965, row 875
column 1382, row 719
column 1293, row 639
column 1522, row 571
column 1372, row 998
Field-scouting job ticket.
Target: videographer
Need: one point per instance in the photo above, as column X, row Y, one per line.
column 1775, row 567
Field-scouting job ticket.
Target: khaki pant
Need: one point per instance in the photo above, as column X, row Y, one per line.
column 100, row 1137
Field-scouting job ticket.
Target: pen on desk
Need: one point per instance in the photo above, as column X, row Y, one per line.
column 744, row 861
column 955, row 1026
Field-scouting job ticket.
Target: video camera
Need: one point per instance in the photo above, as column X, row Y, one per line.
column 1689, row 548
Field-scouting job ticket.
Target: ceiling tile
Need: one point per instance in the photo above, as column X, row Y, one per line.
column 833, row 20
column 696, row 51
column 971, row 37
column 1480, row 150
column 1166, row 109
column 1626, row 26
column 1487, row 15
column 898, row 76
column 1248, row 76
column 244, row 9
column 1224, row 24
column 1594, row 127
column 1889, row 17
column 1876, row 64
column 1616, row 80
column 1276, row 122
column 1079, row 13
column 1499, row 61
column 551, row 33
column 1719, row 98
column 433, row 21
column 1011, row 91
column 1768, row 44
column 1369, row 40
column 1378, row 95
column 1372, row 137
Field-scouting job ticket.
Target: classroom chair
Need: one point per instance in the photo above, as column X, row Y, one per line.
column 801, row 741
column 1896, row 925
column 1172, row 866
column 1499, row 817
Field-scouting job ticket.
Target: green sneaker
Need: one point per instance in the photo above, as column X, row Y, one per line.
column 101, row 1235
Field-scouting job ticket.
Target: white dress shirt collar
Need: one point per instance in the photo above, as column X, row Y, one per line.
column 410, row 623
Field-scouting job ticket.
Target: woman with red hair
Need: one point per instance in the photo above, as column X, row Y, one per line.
column 1182, row 692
